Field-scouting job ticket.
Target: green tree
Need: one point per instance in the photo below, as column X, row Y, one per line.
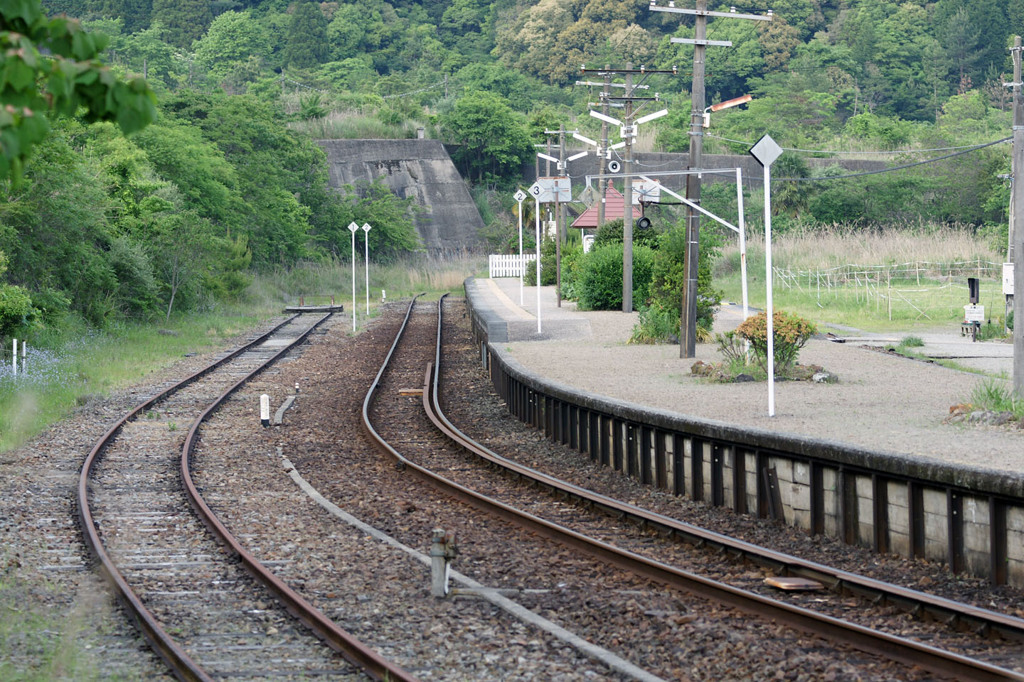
column 51, row 65
column 136, row 13
column 233, row 38
column 668, row 275
column 206, row 181
column 15, row 303
column 975, row 34
column 147, row 52
column 306, row 44
column 181, row 245
column 280, row 176
column 492, row 137
column 392, row 232
column 184, row 21
column 59, row 236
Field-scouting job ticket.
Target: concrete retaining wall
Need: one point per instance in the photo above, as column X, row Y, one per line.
column 419, row 169
column 972, row 519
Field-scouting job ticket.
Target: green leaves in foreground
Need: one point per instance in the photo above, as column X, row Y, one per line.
column 51, row 65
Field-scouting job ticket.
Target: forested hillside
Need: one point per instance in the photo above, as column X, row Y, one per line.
column 228, row 178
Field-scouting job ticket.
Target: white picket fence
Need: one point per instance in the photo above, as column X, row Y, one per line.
column 501, row 265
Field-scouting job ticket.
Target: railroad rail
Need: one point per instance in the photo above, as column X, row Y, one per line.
column 896, row 648
column 956, row 614
column 247, row 361
column 969, row 518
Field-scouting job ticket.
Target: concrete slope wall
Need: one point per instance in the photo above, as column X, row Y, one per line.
column 418, row 169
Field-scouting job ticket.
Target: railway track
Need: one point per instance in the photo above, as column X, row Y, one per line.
column 646, row 630
column 206, row 605
column 594, row 536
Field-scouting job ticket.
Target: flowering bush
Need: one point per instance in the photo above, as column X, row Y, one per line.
column 791, row 333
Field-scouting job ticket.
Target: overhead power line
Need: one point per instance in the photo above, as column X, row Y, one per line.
column 895, row 168
column 839, row 153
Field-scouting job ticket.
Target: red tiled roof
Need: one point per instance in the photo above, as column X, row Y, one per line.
column 613, row 210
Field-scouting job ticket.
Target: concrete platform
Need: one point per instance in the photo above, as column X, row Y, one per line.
column 883, row 402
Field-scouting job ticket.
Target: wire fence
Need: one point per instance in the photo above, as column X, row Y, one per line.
column 914, row 290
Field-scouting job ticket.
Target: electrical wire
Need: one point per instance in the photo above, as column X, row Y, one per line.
column 837, row 153
column 894, row 168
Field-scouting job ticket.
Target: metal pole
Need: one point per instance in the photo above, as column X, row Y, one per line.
column 522, row 263
column 1017, row 190
column 688, row 321
column 768, row 278
column 558, row 218
column 602, row 183
column 743, row 239
column 366, row 258
column 352, row 227
column 1016, row 53
column 627, row 204
column 537, row 200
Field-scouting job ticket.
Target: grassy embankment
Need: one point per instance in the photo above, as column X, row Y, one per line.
column 68, row 366
column 65, row 368
column 898, row 281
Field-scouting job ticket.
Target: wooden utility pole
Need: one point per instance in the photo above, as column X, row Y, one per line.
column 1017, row 189
column 688, row 318
column 602, row 183
column 688, row 321
column 627, row 202
column 559, row 218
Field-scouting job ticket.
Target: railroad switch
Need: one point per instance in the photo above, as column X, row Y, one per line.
column 442, row 552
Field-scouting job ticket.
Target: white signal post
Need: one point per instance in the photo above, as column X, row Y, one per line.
column 536, row 191
column 537, row 239
column 366, row 258
column 766, row 151
column 520, row 197
column 353, row 228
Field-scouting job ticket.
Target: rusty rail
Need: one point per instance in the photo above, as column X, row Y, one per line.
column 896, row 648
column 170, row 651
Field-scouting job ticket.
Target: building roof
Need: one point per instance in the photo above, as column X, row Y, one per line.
column 613, row 210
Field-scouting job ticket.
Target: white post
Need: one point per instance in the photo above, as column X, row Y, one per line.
column 743, row 239
column 520, row 196
column 352, row 227
column 265, row 410
column 768, row 278
column 14, row 358
column 538, row 264
column 366, row 236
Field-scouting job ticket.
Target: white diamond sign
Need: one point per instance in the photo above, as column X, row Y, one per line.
column 766, row 151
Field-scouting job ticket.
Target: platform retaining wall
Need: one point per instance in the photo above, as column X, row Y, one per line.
column 972, row 519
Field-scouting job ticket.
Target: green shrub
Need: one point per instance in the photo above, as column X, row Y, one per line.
column 15, row 308
column 791, row 332
column 600, row 280
column 547, row 265
column 668, row 275
column 997, row 397
column 656, row 325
